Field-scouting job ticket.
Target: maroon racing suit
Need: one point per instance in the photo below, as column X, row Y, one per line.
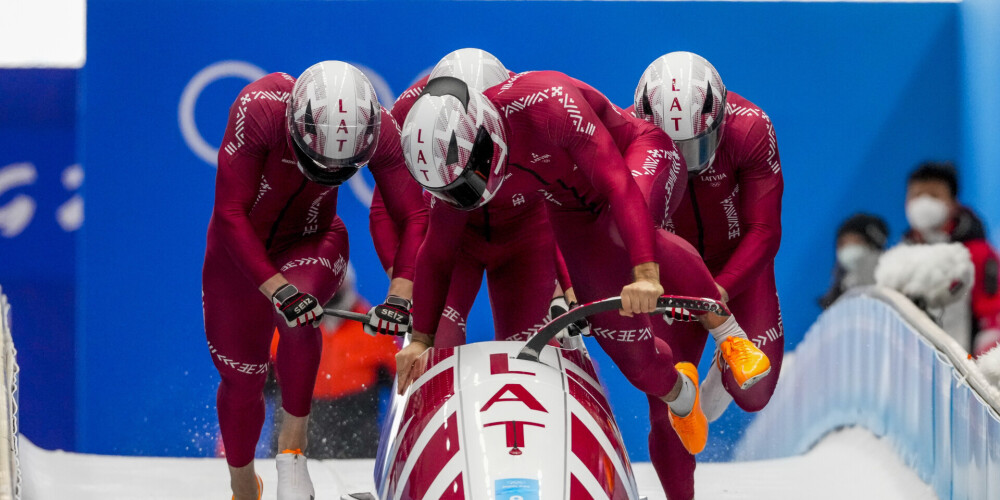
column 268, row 218
column 508, row 239
column 731, row 216
column 573, row 143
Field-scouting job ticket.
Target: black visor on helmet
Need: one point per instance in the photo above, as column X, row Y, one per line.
column 699, row 151
column 316, row 169
column 467, row 190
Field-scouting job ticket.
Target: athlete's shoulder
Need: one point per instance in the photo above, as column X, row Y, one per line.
column 743, row 115
column 388, row 126
column 272, row 88
column 405, row 100
column 389, row 151
column 267, row 96
column 257, row 116
column 527, row 83
column 529, row 90
column 749, row 134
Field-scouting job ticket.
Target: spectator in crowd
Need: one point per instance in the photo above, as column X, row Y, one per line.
column 861, row 239
column 936, row 216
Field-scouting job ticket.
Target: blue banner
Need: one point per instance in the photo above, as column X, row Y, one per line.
column 858, row 94
column 40, row 210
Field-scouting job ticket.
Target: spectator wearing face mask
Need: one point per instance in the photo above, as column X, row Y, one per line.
column 936, row 216
column 861, row 238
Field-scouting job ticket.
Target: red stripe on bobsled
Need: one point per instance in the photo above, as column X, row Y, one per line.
column 424, row 363
column 420, row 409
column 581, row 385
column 598, row 462
column 582, row 362
column 439, row 450
column 577, row 491
column 455, row 490
column 601, row 412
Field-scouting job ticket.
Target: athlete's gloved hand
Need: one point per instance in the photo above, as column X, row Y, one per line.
column 580, row 326
column 391, row 318
column 557, row 308
column 298, row 308
column 641, row 296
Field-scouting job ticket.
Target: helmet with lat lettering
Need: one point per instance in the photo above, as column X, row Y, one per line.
column 455, row 143
column 683, row 94
column 333, row 121
column 479, row 69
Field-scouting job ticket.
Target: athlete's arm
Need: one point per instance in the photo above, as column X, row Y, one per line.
column 237, row 182
column 435, row 264
column 596, row 155
column 562, row 273
column 385, row 233
column 403, row 202
column 761, row 186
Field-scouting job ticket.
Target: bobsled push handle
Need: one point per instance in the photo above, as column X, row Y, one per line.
column 692, row 305
column 359, row 317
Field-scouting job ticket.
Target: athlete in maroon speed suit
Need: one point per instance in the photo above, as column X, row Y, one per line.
column 731, row 215
column 269, row 219
column 573, row 143
column 508, row 239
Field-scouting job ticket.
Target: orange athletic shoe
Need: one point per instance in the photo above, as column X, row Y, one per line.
column 747, row 363
column 692, row 429
column 260, row 487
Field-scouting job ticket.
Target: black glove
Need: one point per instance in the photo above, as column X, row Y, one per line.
column 298, row 308
column 580, row 326
column 391, row 318
column 558, row 307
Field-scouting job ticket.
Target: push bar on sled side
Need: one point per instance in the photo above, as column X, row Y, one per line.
column 359, row 317
column 697, row 306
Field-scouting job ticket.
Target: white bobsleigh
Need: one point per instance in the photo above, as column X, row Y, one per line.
column 480, row 423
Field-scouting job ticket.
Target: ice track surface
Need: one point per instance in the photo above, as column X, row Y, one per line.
column 848, row 464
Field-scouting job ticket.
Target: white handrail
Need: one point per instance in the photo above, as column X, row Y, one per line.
column 10, row 474
column 877, row 361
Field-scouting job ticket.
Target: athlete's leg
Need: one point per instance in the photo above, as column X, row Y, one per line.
column 238, row 325
column 682, row 272
column 522, row 280
column 315, row 265
column 760, row 315
column 466, row 278
column 599, row 264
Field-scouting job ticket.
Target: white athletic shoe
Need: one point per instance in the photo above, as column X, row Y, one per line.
column 714, row 396
column 293, row 477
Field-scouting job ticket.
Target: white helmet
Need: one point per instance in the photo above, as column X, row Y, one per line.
column 333, row 121
column 455, row 143
column 479, row 69
column 683, row 94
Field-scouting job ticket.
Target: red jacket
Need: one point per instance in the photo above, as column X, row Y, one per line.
column 967, row 229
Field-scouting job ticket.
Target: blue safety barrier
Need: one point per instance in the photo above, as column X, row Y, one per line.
column 874, row 360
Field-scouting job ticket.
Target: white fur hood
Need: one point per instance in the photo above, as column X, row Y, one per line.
column 934, row 275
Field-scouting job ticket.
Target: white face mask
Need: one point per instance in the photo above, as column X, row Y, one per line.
column 926, row 213
column 852, row 257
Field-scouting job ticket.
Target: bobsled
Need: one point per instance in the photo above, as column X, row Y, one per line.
column 508, row 421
